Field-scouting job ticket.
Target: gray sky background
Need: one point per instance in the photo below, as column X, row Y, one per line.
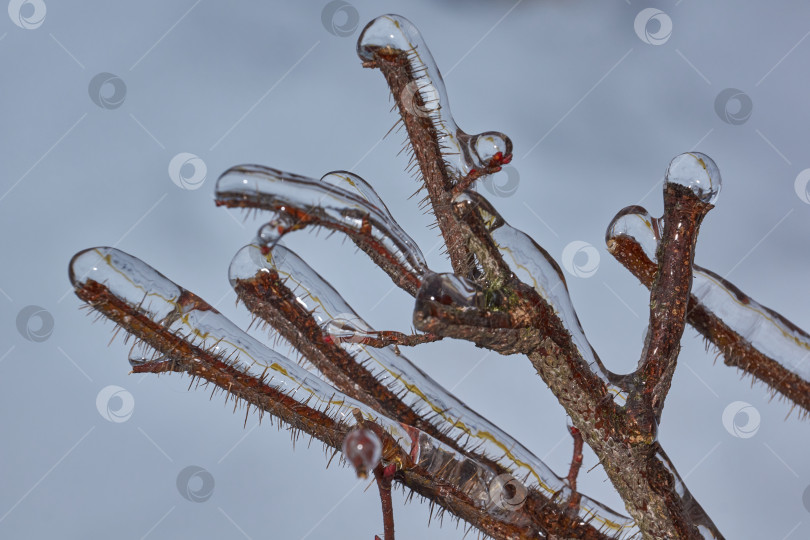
column 595, row 114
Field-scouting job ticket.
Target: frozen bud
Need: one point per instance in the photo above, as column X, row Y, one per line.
column 698, row 172
column 363, row 450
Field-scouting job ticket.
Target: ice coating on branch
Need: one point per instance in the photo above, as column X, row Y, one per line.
column 637, row 223
column 698, row 172
column 149, row 295
column 706, row 528
column 341, row 200
column 766, row 330
column 534, row 266
column 425, row 96
column 416, row 389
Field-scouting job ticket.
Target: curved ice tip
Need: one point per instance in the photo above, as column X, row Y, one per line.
column 391, row 33
column 698, row 172
column 493, row 147
column 84, row 263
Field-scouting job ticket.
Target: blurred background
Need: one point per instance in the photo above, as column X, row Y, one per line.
column 118, row 118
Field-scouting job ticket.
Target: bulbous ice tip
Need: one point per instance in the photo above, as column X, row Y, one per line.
column 388, row 32
column 637, row 223
column 490, row 144
column 698, row 172
column 363, row 449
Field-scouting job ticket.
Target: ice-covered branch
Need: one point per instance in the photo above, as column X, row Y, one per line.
column 692, row 184
column 445, row 155
column 340, row 201
column 750, row 336
column 178, row 331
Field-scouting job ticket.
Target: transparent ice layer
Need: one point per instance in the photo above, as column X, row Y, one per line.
column 698, row 172
column 767, row 331
column 534, row 266
column 339, row 198
column 426, row 95
column 416, row 389
column 149, row 293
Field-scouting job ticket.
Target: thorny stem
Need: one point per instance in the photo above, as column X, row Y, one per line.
column 182, row 356
column 362, row 238
column 266, row 296
column 669, row 295
column 383, row 475
column 736, row 350
column 422, row 134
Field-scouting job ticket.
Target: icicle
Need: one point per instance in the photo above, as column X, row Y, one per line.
column 390, row 34
column 419, row 392
column 341, row 200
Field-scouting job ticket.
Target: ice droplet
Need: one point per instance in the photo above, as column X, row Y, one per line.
column 363, row 450
column 450, row 289
column 637, row 223
column 698, row 172
column 426, row 95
